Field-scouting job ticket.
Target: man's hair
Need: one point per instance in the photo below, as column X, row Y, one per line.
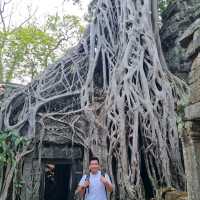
column 94, row 158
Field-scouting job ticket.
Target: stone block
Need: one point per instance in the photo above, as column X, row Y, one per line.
column 188, row 34
column 176, row 196
column 194, row 46
column 194, row 81
column 192, row 112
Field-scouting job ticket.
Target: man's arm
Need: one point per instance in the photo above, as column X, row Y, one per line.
column 109, row 186
column 80, row 190
column 106, row 181
column 82, row 187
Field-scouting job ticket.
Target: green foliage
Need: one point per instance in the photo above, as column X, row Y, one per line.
column 25, row 51
column 66, row 30
column 10, row 144
column 12, row 149
column 180, row 112
column 163, row 4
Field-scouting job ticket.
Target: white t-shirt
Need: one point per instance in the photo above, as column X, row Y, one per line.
column 97, row 190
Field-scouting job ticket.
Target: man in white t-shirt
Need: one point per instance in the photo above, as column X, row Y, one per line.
column 94, row 186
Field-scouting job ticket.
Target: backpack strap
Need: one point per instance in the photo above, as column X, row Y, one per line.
column 103, row 173
column 87, row 178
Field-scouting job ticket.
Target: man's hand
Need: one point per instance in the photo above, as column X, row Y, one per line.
column 104, row 180
column 107, row 184
column 81, row 189
column 86, row 184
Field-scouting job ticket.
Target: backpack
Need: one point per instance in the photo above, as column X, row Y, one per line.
column 87, row 178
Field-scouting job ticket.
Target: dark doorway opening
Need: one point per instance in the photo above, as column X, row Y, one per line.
column 57, row 181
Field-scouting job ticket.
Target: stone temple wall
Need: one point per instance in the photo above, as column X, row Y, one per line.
column 176, row 19
column 180, row 37
column 191, row 42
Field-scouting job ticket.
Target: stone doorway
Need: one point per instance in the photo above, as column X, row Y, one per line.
column 61, row 171
column 57, row 181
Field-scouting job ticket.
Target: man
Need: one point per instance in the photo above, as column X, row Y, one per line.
column 95, row 185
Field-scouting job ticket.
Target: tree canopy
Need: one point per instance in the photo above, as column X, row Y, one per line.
column 29, row 48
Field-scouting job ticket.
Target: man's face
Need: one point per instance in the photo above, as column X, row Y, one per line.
column 94, row 166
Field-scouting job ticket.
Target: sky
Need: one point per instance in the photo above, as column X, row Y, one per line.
column 42, row 8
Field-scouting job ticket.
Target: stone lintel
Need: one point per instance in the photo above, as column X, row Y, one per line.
column 192, row 112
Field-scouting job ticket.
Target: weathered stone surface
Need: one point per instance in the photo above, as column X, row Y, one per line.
column 192, row 166
column 191, row 138
column 170, row 194
column 192, row 112
column 191, row 40
column 30, row 179
column 176, row 19
column 176, row 196
column 61, row 152
column 187, row 37
column 194, row 80
column 194, row 46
